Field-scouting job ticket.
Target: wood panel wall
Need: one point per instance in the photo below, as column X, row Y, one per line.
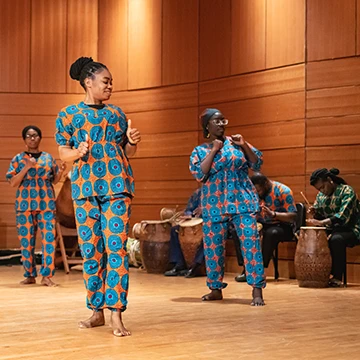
column 285, row 74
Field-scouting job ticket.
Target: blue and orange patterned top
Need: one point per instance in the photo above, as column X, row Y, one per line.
column 105, row 169
column 227, row 188
column 35, row 192
column 279, row 199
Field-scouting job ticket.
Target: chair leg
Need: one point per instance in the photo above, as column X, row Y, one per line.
column 275, row 261
column 62, row 249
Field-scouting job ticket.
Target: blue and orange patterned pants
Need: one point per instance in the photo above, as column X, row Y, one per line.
column 102, row 226
column 27, row 223
column 215, row 232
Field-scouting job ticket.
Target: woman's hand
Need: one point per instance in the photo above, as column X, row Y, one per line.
column 29, row 163
column 238, row 140
column 217, row 145
column 311, row 210
column 133, row 134
column 314, row 222
column 83, row 147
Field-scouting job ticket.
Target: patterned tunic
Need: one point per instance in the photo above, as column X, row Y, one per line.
column 342, row 207
column 279, row 199
column 35, row 192
column 105, row 169
column 227, row 188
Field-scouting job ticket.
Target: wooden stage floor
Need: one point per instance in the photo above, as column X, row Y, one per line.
column 168, row 321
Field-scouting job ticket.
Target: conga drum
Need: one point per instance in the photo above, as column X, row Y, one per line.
column 190, row 238
column 155, row 245
column 312, row 258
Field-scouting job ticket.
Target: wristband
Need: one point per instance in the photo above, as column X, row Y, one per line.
column 132, row 144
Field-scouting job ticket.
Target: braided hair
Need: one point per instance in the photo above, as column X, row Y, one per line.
column 83, row 68
column 323, row 174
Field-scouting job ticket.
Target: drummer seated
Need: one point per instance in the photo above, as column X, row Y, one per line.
column 277, row 216
column 176, row 255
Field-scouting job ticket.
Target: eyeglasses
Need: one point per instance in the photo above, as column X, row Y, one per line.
column 220, row 122
column 32, row 136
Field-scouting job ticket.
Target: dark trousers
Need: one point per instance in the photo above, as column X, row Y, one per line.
column 176, row 254
column 339, row 240
column 272, row 235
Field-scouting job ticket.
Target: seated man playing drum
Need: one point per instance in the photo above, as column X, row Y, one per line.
column 278, row 215
column 337, row 208
column 193, row 209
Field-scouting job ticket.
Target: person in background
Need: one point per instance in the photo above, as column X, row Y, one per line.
column 34, row 172
column 337, row 208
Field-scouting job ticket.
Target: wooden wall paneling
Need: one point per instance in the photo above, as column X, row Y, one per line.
column 271, row 82
column 82, row 36
column 330, row 29
column 13, row 146
column 171, row 144
column 165, row 121
column 12, row 125
column 284, row 162
column 344, row 130
column 170, row 97
column 48, row 46
column 35, row 104
column 215, row 39
column 144, row 43
column 15, row 45
column 180, row 41
column 285, row 32
column 113, row 40
column 352, row 179
column 9, row 238
column 333, row 102
column 345, row 158
column 357, row 27
column 147, row 212
column 333, row 73
column 264, row 110
column 7, row 192
column 7, row 215
column 269, row 136
column 164, row 168
column 163, row 192
column 247, row 35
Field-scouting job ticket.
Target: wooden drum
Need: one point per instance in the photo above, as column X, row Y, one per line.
column 133, row 250
column 190, row 238
column 155, row 245
column 312, row 258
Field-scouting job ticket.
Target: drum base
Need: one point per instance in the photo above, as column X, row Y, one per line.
column 312, row 284
column 155, row 256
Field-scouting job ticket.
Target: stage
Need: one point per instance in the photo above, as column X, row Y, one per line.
column 169, row 321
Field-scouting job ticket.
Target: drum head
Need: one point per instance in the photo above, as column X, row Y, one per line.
column 191, row 222
column 313, row 228
column 154, row 221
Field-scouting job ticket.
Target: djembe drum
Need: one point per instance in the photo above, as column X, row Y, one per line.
column 155, row 245
column 190, row 238
column 312, row 258
column 133, row 250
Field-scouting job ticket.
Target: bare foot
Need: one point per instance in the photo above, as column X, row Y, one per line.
column 28, row 281
column 257, row 297
column 96, row 319
column 48, row 282
column 117, row 324
column 215, row 294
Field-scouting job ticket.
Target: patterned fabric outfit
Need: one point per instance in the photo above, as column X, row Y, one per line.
column 102, row 188
column 343, row 208
column 228, row 196
column 176, row 254
column 280, row 199
column 35, row 208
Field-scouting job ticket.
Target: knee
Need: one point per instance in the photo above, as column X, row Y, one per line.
column 272, row 232
column 336, row 240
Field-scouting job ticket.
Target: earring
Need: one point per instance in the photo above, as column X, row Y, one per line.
column 208, row 134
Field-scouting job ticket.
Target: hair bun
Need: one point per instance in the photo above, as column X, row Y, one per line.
column 334, row 171
column 78, row 65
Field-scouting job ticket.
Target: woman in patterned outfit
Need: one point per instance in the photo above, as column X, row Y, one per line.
column 336, row 207
column 98, row 139
column 34, row 172
column 228, row 196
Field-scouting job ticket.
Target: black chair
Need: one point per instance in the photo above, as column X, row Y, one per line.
column 299, row 222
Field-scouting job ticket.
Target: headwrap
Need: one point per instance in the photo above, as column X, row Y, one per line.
column 205, row 117
column 27, row 128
